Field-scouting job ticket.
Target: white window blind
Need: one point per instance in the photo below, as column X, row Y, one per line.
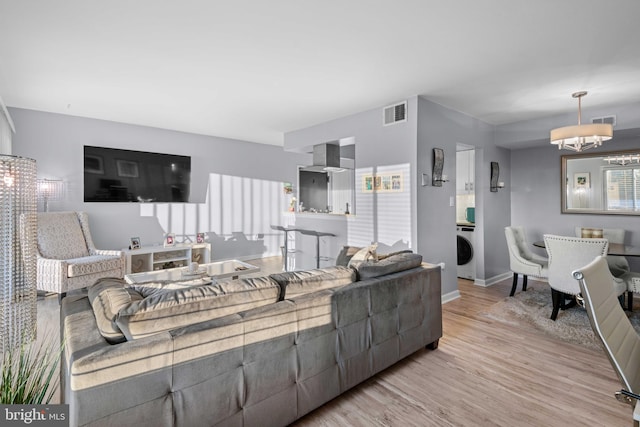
column 623, row 188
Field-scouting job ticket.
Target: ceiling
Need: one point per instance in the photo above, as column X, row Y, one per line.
column 254, row 70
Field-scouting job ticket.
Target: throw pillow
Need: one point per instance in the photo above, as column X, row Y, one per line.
column 345, row 255
column 107, row 297
column 364, row 254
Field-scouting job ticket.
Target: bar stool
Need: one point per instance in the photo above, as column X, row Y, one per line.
column 318, row 234
column 286, row 251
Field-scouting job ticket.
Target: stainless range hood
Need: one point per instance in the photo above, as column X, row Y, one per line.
column 326, row 158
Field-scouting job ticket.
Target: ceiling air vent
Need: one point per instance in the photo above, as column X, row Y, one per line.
column 606, row 119
column 393, row 114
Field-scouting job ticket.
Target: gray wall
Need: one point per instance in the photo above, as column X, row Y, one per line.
column 379, row 149
column 444, row 128
column 56, row 142
column 535, row 194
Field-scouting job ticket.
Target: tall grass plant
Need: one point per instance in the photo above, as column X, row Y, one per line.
column 29, row 373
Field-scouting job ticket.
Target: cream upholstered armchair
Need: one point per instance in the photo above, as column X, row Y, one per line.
column 521, row 259
column 617, row 264
column 567, row 254
column 67, row 258
column 611, row 325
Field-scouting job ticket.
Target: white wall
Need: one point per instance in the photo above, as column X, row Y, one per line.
column 246, row 177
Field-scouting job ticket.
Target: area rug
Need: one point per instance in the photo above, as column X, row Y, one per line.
column 532, row 309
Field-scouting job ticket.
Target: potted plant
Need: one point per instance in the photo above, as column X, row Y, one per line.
column 29, row 373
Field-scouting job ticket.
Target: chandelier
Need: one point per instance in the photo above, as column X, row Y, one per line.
column 581, row 137
column 623, row 160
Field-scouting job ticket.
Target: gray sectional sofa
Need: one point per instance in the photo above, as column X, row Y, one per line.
column 250, row 352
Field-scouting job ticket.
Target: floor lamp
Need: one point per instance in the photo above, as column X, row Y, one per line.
column 49, row 190
column 18, row 223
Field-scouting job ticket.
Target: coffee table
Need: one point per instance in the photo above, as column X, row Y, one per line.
column 216, row 270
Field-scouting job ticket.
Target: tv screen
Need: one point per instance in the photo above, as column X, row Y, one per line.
column 114, row 175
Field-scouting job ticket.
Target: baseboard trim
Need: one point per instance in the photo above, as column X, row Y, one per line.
column 504, row 276
column 450, row 296
column 493, row 280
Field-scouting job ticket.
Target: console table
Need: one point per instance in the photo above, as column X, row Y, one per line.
column 158, row 257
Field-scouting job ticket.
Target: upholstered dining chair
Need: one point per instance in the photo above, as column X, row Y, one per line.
column 610, row 324
column 617, row 264
column 567, row 254
column 67, row 258
column 521, row 259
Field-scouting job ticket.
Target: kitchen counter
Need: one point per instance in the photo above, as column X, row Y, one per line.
column 320, row 215
column 304, row 256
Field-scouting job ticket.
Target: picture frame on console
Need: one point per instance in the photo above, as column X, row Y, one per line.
column 169, row 240
column 135, row 243
column 200, row 238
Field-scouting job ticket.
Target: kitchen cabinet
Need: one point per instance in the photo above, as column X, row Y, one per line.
column 465, row 172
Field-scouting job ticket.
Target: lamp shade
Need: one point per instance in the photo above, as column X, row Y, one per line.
column 17, row 250
column 580, row 137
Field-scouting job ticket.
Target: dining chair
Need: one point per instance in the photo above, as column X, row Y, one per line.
column 567, row 254
column 521, row 259
column 617, row 264
column 620, row 341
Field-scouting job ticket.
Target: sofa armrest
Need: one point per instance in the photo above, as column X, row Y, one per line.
column 130, row 374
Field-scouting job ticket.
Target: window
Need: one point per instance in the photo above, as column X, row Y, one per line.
column 622, row 188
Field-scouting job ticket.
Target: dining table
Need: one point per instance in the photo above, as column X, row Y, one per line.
column 617, row 249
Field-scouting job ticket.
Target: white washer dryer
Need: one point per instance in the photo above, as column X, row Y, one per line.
column 466, row 259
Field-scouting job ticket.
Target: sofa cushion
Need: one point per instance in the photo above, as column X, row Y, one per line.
column 391, row 264
column 164, row 311
column 147, row 289
column 107, row 297
column 294, row 283
column 92, row 264
column 60, row 236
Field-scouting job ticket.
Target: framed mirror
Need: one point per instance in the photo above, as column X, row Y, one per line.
column 601, row 183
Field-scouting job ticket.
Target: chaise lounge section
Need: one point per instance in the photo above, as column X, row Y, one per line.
column 312, row 336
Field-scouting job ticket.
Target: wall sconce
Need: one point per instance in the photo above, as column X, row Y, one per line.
column 438, row 164
column 495, row 185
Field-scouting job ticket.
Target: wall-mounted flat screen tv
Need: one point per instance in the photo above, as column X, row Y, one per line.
column 115, row 175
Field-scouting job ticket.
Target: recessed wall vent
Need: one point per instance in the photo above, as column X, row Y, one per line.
column 393, row 114
column 606, row 119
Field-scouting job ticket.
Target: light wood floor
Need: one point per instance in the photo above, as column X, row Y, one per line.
column 484, row 373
